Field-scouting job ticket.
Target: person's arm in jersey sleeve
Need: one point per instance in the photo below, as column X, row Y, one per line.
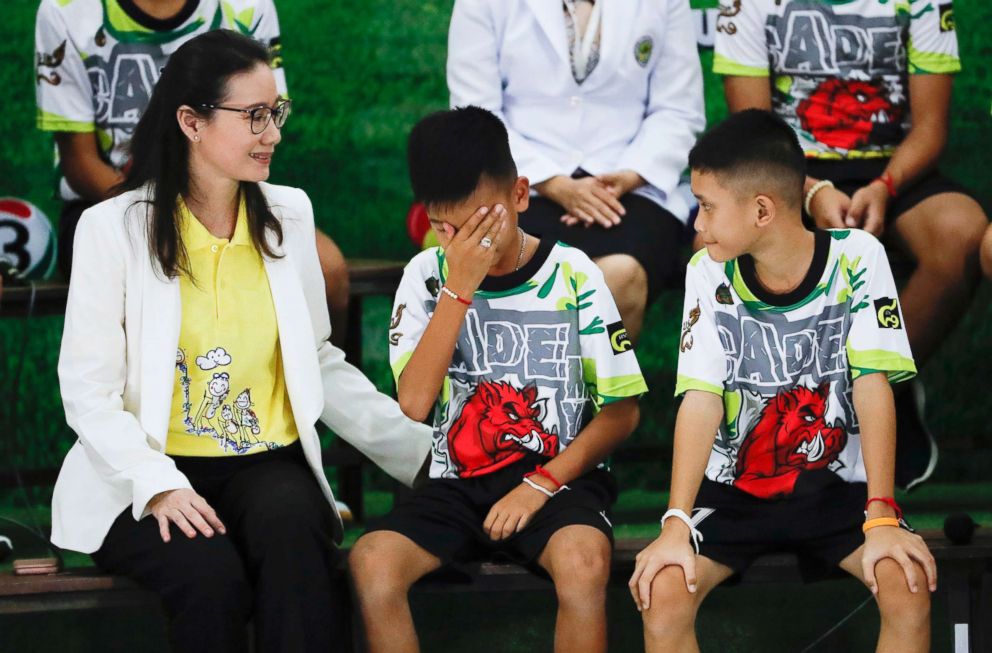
column 65, row 106
column 702, row 371
column 932, row 59
column 741, row 56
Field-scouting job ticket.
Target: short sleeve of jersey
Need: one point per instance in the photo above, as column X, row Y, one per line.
column 267, row 33
column 702, row 360
column 62, row 86
column 609, row 366
column 877, row 340
column 410, row 313
column 740, row 48
column 933, row 43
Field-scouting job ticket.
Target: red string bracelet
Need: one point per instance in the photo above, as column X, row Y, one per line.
column 889, row 501
column 548, row 475
column 890, row 184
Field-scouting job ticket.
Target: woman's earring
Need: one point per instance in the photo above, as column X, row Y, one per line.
column 196, row 137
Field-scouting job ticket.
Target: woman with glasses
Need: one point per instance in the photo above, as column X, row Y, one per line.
column 195, row 364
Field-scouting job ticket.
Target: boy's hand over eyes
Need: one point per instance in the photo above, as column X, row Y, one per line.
column 469, row 259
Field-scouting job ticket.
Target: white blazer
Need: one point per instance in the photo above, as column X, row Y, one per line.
column 643, row 114
column 117, row 370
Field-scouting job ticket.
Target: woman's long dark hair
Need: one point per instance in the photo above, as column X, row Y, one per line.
column 196, row 74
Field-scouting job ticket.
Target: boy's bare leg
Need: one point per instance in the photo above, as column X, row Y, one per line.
column 384, row 564
column 986, row 253
column 578, row 560
column 670, row 622
column 945, row 278
column 905, row 614
column 628, row 282
column 336, row 286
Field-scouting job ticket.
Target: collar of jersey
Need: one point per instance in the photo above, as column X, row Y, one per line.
column 126, row 29
column 812, row 286
column 196, row 237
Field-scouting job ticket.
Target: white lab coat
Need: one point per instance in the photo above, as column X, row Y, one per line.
column 511, row 57
column 117, row 370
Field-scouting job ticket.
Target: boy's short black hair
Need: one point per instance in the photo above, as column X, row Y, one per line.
column 752, row 152
column 450, row 152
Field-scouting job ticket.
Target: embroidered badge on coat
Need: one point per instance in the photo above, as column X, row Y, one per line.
column 643, row 49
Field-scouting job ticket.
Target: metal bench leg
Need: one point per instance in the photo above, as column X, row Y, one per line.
column 956, row 580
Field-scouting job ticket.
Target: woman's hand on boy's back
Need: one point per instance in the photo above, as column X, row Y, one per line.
column 671, row 549
column 468, row 259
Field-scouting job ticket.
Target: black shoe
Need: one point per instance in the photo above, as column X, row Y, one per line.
column 916, row 450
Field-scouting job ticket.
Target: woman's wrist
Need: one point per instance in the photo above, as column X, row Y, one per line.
column 549, row 187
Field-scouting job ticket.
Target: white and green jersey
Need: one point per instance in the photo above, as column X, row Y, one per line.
column 838, row 68
column 540, row 350
column 97, row 61
column 785, row 364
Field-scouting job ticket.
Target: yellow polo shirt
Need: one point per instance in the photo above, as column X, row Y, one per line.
column 230, row 391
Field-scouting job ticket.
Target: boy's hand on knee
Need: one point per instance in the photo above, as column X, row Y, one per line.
column 671, row 549
column 511, row 514
column 867, row 210
column 829, row 207
column 902, row 546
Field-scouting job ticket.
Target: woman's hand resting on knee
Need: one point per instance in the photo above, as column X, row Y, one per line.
column 187, row 510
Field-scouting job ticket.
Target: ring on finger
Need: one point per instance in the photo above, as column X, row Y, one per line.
column 486, row 242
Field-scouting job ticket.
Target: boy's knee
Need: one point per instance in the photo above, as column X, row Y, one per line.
column 621, row 271
column 580, row 572
column 986, row 252
column 897, row 604
column 959, row 238
column 673, row 607
column 376, row 574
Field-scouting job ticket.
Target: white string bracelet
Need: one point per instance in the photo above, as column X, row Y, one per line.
column 694, row 535
column 455, row 296
column 543, row 490
column 814, row 189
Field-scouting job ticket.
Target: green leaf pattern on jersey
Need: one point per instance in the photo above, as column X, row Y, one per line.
column 241, row 20
column 852, row 273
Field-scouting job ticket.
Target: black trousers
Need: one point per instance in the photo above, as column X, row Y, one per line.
column 649, row 233
column 275, row 566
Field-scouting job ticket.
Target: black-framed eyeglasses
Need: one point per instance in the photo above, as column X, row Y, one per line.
column 260, row 116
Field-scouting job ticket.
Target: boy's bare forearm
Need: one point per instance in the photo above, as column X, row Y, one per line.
column 88, row 174
column 876, row 413
column 695, row 431
column 421, row 379
column 611, row 426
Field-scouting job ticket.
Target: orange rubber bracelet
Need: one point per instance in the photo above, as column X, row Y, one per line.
column 879, row 521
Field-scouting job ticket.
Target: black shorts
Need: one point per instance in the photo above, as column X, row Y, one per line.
column 821, row 528
column 648, row 233
column 849, row 176
column 445, row 516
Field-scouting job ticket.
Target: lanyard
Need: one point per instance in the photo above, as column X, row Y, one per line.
column 583, row 47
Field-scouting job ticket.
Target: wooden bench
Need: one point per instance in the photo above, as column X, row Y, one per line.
column 965, row 580
column 367, row 278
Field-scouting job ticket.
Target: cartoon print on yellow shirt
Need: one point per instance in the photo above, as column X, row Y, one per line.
column 214, row 395
column 236, row 428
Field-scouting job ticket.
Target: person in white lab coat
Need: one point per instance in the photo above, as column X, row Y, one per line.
column 195, row 363
column 602, row 100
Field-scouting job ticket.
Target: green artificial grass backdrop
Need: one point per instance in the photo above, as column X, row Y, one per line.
column 360, row 75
